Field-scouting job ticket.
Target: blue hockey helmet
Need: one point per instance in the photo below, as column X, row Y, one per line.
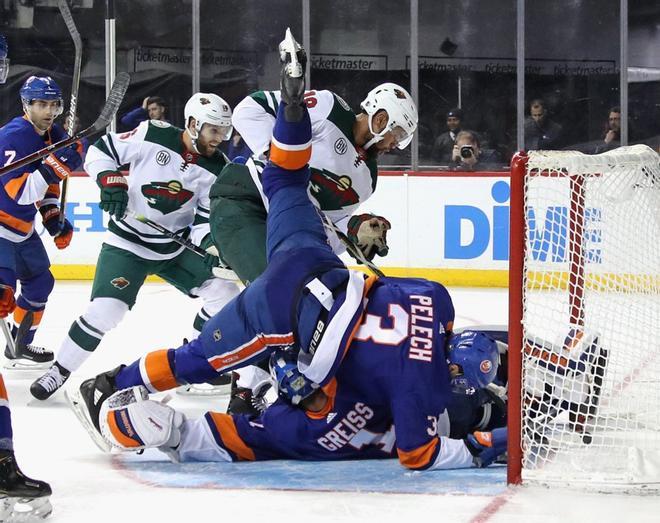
column 476, row 355
column 41, row 88
column 292, row 384
column 4, row 61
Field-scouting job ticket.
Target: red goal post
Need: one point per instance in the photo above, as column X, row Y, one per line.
column 584, row 319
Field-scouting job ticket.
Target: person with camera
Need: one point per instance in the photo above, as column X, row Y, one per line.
column 467, row 154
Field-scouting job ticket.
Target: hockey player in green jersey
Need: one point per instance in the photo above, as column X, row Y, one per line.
column 171, row 172
column 344, row 171
column 343, row 166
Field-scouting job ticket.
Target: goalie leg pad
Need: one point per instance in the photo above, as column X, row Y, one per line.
column 131, row 421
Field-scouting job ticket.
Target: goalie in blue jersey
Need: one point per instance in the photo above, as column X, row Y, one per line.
column 371, row 345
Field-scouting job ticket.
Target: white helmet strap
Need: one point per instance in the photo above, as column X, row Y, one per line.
column 194, row 137
column 377, row 137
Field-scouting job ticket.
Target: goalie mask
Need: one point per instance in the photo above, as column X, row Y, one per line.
column 477, row 356
column 211, row 109
column 401, row 111
column 292, row 385
column 4, row 61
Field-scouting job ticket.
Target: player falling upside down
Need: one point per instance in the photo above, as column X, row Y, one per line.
column 344, row 174
column 170, row 175
column 391, row 334
column 22, row 192
column 15, row 487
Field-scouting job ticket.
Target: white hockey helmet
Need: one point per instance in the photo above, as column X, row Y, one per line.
column 208, row 108
column 401, row 112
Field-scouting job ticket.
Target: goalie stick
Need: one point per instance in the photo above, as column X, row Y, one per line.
column 221, row 272
column 107, row 113
column 73, row 104
column 352, row 249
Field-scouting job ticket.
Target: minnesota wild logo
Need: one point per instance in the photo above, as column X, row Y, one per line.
column 332, row 191
column 166, row 197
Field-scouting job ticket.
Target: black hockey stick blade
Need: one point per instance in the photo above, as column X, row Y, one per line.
column 115, row 98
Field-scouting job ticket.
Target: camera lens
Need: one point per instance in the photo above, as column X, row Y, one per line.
column 466, row 151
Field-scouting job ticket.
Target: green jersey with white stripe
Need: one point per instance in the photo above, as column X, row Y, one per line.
column 166, row 183
column 342, row 174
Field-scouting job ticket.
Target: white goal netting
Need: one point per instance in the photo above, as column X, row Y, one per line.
column 591, row 320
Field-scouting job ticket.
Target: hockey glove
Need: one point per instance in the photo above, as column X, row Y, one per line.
column 7, row 300
column 485, row 447
column 369, row 233
column 62, row 233
column 114, row 193
column 58, row 165
column 211, row 259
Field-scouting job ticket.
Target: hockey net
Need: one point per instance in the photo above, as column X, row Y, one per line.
column 584, row 354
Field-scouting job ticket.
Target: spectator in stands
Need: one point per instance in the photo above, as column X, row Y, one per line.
column 238, row 151
column 82, row 145
column 612, row 138
column 467, row 154
column 444, row 144
column 540, row 131
column 152, row 108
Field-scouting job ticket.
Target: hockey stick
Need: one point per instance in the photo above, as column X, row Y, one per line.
column 73, row 105
column 107, row 113
column 222, row 271
column 353, row 249
column 8, row 336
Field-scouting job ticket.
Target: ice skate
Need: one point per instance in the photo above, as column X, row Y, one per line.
column 292, row 76
column 87, row 400
column 28, row 357
column 21, row 498
column 249, row 400
column 45, row 386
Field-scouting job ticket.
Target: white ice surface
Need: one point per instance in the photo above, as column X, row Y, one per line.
column 51, row 445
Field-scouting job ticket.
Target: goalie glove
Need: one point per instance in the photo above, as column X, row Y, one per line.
column 114, row 193
column 369, row 233
column 129, row 420
column 485, row 447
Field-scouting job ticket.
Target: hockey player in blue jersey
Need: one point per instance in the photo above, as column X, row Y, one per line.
column 14, row 485
column 391, row 333
column 23, row 192
column 381, row 404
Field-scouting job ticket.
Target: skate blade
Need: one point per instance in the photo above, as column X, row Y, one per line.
column 203, row 390
column 22, row 364
column 25, row 510
column 77, row 405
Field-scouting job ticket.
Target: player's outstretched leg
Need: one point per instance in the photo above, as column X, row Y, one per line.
column 292, row 76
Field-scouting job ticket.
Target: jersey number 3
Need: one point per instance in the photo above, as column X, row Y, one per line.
column 372, row 327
